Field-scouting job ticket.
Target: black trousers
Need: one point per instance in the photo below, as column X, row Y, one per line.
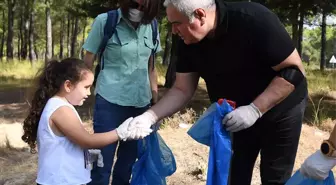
column 277, row 141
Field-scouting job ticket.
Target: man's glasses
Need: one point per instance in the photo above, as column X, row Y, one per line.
column 136, row 5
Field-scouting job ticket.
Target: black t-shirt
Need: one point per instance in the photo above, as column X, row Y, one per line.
column 237, row 63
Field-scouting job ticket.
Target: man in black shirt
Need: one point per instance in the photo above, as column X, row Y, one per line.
column 244, row 54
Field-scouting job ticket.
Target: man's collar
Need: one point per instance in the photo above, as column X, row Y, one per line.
column 222, row 18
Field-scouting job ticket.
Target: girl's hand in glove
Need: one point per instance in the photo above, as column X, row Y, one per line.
column 125, row 134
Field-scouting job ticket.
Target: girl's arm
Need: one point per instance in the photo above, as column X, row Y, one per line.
column 65, row 119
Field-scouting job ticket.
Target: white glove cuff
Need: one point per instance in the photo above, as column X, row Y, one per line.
column 151, row 116
column 120, row 135
column 256, row 109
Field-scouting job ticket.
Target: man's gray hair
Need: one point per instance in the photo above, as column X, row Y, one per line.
column 188, row 7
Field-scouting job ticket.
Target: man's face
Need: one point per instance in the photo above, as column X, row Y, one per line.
column 189, row 32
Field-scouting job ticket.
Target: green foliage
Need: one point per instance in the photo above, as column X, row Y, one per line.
column 312, row 43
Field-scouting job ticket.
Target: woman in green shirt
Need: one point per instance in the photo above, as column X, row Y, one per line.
column 126, row 84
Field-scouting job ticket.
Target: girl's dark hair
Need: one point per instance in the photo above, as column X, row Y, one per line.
column 51, row 77
column 150, row 8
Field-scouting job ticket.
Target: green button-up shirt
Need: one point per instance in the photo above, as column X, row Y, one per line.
column 124, row 79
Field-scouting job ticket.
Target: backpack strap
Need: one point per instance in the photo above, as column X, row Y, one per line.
column 109, row 29
column 154, row 25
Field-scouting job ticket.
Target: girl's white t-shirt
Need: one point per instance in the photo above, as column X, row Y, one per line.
column 60, row 161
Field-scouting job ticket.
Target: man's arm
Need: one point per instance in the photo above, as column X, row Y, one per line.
column 279, row 88
column 153, row 80
column 177, row 97
column 89, row 59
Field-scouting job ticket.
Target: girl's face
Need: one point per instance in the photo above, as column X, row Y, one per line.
column 78, row 93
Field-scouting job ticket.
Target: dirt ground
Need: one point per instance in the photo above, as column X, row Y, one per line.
column 18, row 166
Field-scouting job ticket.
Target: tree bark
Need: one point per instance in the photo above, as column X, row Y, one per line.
column 20, row 35
column 61, row 38
column 18, row 45
column 10, row 34
column 32, row 54
column 171, row 71
column 323, row 40
column 68, row 35
column 74, row 37
column 25, row 26
column 83, row 38
column 168, row 44
column 3, row 35
column 299, row 47
column 48, row 54
column 295, row 24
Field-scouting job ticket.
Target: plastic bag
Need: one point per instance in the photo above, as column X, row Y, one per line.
column 299, row 179
column 220, row 148
column 202, row 128
column 155, row 162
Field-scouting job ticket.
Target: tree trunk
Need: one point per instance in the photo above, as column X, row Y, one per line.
column 74, row 37
column 171, row 71
column 323, row 40
column 52, row 43
column 36, row 51
column 20, row 35
column 25, row 26
column 168, row 43
column 83, row 38
column 3, row 35
column 32, row 54
column 68, row 35
column 61, row 38
column 10, row 34
column 18, row 46
column 295, row 15
column 299, row 47
column 48, row 32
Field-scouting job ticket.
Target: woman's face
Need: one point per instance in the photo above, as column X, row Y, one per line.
column 135, row 12
column 136, row 4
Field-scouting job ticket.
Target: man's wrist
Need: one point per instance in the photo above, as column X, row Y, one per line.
column 151, row 115
column 154, row 97
column 256, row 109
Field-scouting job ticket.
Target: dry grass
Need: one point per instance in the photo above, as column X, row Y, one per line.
column 188, row 116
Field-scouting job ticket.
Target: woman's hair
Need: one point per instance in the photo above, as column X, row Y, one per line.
column 150, row 8
column 51, row 77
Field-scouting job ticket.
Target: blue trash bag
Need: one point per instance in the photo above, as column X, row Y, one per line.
column 155, row 161
column 202, row 128
column 299, row 179
column 220, row 148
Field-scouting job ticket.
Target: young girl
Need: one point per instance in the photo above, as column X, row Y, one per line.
column 55, row 126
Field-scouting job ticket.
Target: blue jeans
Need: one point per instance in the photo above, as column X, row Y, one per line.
column 107, row 117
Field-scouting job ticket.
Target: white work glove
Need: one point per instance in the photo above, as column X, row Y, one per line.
column 122, row 131
column 317, row 166
column 125, row 134
column 241, row 118
column 95, row 155
column 142, row 122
